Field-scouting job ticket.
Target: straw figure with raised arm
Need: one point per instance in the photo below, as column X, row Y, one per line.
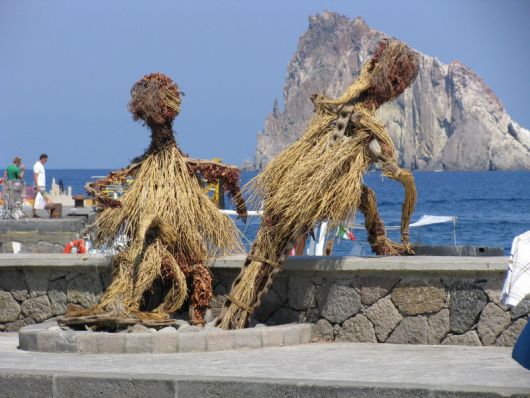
column 172, row 227
column 320, row 177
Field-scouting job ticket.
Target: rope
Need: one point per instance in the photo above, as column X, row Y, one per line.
column 248, row 309
column 263, row 260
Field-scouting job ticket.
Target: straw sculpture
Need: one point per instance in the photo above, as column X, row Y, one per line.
column 320, row 177
column 172, row 226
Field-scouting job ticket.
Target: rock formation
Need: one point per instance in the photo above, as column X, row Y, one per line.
column 450, row 119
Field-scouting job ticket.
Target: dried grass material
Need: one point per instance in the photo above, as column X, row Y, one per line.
column 167, row 216
column 178, row 291
column 118, row 294
column 150, row 269
column 165, row 189
column 312, row 181
column 253, row 281
column 202, row 293
column 170, row 222
column 379, row 243
column 406, row 178
column 162, row 231
column 394, row 67
column 155, row 99
column 326, row 179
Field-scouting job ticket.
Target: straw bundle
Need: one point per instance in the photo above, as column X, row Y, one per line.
column 195, row 231
column 164, row 188
column 320, row 177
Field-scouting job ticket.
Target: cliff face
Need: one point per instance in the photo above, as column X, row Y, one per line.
column 449, row 119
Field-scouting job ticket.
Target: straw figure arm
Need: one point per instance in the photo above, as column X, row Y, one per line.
column 102, row 200
column 384, row 155
column 352, row 119
column 230, row 178
column 95, row 188
column 380, row 244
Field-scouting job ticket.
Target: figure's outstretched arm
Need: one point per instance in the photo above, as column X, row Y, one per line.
column 380, row 244
column 94, row 188
column 383, row 155
column 229, row 175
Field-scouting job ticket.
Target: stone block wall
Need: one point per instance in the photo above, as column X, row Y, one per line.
column 405, row 300
column 40, row 235
column 32, row 295
column 398, row 308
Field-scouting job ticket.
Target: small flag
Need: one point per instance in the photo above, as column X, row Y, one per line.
column 345, row 233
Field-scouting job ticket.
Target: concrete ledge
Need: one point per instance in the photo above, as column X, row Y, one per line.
column 303, row 263
column 55, row 261
column 42, row 225
column 429, row 264
column 86, row 384
column 49, row 337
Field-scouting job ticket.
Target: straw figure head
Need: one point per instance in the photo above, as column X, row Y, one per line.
column 155, row 99
column 392, row 69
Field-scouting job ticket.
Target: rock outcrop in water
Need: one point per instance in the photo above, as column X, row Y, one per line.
column 450, row 119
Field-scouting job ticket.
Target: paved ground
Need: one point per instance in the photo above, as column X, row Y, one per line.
column 431, row 367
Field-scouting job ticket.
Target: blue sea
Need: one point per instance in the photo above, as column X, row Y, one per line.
column 491, row 207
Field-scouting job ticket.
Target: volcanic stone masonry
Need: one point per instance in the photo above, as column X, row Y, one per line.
column 408, row 301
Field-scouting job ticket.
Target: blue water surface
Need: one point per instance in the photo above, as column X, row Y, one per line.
column 491, row 207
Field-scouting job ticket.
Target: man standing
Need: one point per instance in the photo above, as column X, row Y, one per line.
column 39, row 179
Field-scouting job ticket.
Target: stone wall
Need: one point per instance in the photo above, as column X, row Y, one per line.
column 40, row 235
column 36, row 288
column 414, row 300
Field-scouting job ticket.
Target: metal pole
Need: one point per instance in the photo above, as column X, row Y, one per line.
column 454, row 231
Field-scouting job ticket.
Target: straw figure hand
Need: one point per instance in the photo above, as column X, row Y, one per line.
column 320, row 177
column 172, row 227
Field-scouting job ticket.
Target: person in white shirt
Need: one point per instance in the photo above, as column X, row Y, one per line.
column 517, row 281
column 516, row 288
column 39, row 179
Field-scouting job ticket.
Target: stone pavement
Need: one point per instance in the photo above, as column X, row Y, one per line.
column 309, row 370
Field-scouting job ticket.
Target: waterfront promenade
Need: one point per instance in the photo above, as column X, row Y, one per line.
column 309, row 370
column 451, row 287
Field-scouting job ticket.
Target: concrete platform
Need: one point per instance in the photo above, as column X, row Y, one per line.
column 309, row 370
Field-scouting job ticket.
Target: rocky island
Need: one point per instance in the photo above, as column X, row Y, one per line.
column 449, row 120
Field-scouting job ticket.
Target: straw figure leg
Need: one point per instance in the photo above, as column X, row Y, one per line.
column 261, row 265
column 200, row 292
column 142, row 267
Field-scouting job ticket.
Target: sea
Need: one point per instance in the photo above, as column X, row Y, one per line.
column 491, row 207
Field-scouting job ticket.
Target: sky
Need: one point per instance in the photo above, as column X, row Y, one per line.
column 67, row 67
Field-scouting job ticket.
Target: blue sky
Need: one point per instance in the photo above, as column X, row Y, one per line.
column 67, row 66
